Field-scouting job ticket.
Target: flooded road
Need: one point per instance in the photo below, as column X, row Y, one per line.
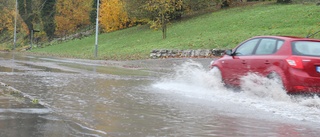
column 166, row 97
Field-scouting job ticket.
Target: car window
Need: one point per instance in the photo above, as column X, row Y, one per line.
column 306, row 48
column 266, row 46
column 279, row 44
column 247, row 47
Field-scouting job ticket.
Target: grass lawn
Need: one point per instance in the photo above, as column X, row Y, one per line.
column 221, row 29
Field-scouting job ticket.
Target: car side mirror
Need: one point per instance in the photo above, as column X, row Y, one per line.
column 229, row 52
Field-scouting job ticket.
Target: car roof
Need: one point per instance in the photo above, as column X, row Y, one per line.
column 291, row 38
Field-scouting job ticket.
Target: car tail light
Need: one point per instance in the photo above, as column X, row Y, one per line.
column 295, row 62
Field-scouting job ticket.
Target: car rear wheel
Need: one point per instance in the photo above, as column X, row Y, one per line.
column 277, row 78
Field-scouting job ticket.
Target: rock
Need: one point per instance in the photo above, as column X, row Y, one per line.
column 217, row 52
column 158, row 55
column 186, row 53
column 163, row 51
column 164, row 55
column 207, row 53
column 200, row 53
column 154, row 51
column 153, row 55
column 193, row 53
column 179, row 53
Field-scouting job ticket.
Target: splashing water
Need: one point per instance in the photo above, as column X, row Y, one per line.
column 262, row 87
column 191, row 79
column 194, row 74
column 313, row 102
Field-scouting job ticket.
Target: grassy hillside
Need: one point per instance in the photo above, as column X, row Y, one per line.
column 221, row 29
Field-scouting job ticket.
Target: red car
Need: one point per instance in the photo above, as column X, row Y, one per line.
column 293, row 61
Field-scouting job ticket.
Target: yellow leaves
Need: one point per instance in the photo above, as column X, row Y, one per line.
column 179, row 4
column 72, row 15
column 112, row 15
column 7, row 20
column 163, row 6
column 164, row 10
column 156, row 24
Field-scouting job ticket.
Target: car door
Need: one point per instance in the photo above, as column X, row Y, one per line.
column 264, row 56
column 237, row 64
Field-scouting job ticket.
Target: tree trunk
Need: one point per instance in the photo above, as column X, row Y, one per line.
column 164, row 27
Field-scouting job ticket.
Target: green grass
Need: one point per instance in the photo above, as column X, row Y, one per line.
column 221, row 29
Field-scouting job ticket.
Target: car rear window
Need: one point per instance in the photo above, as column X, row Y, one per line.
column 306, row 48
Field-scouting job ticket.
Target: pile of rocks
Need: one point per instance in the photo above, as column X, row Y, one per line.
column 200, row 53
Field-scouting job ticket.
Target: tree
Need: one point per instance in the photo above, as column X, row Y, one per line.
column 137, row 9
column 71, row 15
column 93, row 13
column 25, row 11
column 198, row 5
column 8, row 14
column 47, row 17
column 7, row 17
column 113, row 16
column 284, row 1
column 164, row 11
column 30, row 12
column 136, row 12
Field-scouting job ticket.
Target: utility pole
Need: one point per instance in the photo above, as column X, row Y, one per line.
column 97, row 31
column 15, row 26
column 31, row 39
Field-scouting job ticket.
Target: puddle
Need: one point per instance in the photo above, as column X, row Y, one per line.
column 7, row 69
column 42, row 68
column 21, row 114
column 12, row 99
column 109, row 70
column 26, row 110
column 109, row 98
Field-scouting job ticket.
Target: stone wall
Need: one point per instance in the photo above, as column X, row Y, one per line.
column 199, row 53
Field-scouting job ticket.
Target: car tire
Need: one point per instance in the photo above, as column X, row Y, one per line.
column 216, row 73
column 278, row 79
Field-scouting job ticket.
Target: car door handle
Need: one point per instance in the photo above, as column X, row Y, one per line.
column 244, row 62
column 267, row 62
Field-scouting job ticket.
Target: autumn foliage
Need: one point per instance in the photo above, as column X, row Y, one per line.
column 164, row 11
column 71, row 15
column 61, row 18
column 6, row 20
column 113, row 15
